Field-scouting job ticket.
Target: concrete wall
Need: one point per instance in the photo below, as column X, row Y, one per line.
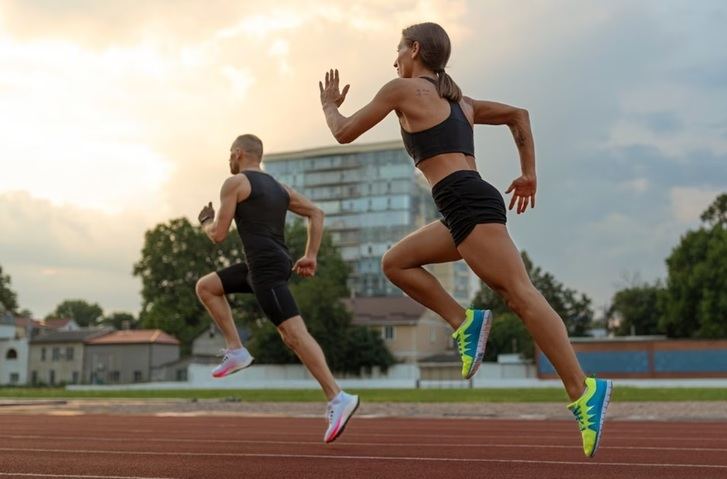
column 624, row 358
column 293, row 376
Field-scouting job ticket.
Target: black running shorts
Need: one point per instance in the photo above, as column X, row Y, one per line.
column 465, row 200
column 273, row 295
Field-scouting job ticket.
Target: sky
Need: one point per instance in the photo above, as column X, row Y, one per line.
column 118, row 115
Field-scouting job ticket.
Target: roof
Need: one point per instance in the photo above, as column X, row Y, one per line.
column 56, row 323
column 24, row 322
column 82, row 335
column 335, row 150
column 135, row 336
column 385, row 310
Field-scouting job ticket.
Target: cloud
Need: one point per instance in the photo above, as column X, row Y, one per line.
column 129, row 110
column 688, row 203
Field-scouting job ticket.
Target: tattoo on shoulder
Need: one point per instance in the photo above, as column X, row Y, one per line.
column 422, row 91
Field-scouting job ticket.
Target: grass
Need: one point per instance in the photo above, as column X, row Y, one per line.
column 375, row 395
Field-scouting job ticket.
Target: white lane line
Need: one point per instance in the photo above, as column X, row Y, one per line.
column 83, row 476
column 354, row 443
column 366, row 458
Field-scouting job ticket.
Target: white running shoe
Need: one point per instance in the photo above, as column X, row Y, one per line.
column 234, row 360
column 338, row 413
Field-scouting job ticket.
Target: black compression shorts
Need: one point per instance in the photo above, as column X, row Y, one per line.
column 273, row 296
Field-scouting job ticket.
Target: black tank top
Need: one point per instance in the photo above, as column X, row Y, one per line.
column 260, row 220
column 453, row 135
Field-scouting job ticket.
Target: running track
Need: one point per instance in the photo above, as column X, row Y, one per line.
column 136, row 447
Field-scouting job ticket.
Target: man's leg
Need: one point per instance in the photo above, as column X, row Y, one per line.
column 212, row 295
column 296, row 337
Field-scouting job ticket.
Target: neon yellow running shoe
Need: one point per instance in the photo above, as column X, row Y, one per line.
column 590, row 411
column 471, row 339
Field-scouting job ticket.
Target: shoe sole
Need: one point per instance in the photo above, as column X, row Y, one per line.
column 345, row 423
column 233, row 371
column 606, row 401
column 481, row 344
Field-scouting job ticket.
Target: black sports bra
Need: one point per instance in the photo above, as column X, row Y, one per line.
column 453, row 135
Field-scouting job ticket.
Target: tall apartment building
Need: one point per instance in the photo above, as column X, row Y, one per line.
column 372, row 196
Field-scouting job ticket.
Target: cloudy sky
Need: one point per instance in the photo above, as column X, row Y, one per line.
column 117, row 115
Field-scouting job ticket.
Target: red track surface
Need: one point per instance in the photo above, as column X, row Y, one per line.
column 233, row 447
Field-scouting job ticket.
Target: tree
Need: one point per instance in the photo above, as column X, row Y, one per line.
column 120, row 321
column 347, row 347
column 508, row 335
column 8, row 297
column 85, row 314
column 176, row 254
column 574, row 309
column 639, row 309
column 695, row 302
column 716, row 214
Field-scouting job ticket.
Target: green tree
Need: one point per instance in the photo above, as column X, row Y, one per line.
column 639, row 309
column 176, row 254
column 84, row 313
column 508, row 335
column 347, row 347
column 574, row 308
column 695, row 302
column 120, row 320
column 8, row 297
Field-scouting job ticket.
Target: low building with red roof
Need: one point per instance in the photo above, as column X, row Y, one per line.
column 128, row 356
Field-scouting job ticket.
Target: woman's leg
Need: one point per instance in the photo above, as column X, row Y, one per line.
column 296, row 336
column 402, row 264
column 212, row 295
column 491, row 254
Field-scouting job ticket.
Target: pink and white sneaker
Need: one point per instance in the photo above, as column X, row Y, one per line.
column 338, row 413
column 234, row 360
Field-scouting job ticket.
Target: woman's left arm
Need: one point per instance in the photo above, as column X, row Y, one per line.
column 518, row 120
column 347, row 129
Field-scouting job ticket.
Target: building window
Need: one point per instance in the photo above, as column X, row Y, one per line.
column 14, row 378
column 114, row 376
column 388, row 332
column 56, row 354
column 137, row 376
column 181, row 374
column 42, row 354
column 69, row 354
column 11, row 354
column 52, row 377
column 34, row 378
column 74, row 379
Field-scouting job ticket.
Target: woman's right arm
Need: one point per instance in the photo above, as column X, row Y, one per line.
column 347, row 129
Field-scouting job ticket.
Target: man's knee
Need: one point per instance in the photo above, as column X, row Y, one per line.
column 206, row 287
column 292, row 332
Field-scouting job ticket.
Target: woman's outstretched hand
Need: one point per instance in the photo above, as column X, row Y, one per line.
column 330, row 93
column 523, row 189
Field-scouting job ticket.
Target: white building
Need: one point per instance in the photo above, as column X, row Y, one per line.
column 13, row 352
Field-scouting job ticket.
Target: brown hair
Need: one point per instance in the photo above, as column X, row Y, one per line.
column 434, row 51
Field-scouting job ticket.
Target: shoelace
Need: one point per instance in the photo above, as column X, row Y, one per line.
column 461, row 343
column 329, row 414
column 224, row 353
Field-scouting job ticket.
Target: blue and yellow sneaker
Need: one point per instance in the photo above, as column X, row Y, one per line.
column 471, row 339
column 590, row 411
